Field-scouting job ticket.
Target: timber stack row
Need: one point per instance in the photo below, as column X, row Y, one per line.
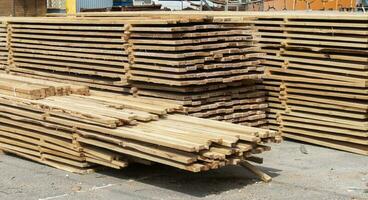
column 317, row 79
column 316, row 67
column 210, row 64
column 77, row 132
column 210, row 67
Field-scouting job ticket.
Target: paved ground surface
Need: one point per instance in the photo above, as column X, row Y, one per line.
column 320, row 174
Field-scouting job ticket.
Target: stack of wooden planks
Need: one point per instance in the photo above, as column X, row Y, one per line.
column 210, row 65
column 316, row 73
column 316, row 67
column 212, row 68
column 239, row 102
column 78, row 133
column 3, row 45
column 85, row 52
column 33, row 89
column 317, row 78
column 196, row 53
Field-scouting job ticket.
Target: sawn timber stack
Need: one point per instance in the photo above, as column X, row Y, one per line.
column 316, row 67
column 317, row 70
column 212, row 68
column 87, row 52
column 209, row 65
column 78, row 132
column 316, row 73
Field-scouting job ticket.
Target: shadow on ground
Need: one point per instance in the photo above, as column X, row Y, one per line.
column 194, row 184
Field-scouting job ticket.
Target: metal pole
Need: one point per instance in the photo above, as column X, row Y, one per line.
column 71, row 6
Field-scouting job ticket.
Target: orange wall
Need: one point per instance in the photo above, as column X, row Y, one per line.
column 302, row 5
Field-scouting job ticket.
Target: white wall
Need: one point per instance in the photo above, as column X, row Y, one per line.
column 174, row 5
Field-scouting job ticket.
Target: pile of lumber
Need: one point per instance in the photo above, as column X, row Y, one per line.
column 212, row 68
column 239, row 102
column 193, row 53
column 33, row 89
column 3, row 45
column 79, row 133
column 85, row 51
column 317, row 78
column 316, row 74
column 210, row 65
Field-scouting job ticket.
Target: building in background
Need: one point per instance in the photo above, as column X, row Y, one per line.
column 362, row 5
column 93, row 4
column 121, row 3
column 173, row 5
column 240, row 5
column 80, row 4
column 56, row 4
column 280, row 5
column 21, row 8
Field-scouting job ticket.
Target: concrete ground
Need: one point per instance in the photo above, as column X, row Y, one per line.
column 300, row 171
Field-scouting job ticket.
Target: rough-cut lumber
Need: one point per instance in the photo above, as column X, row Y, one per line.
column 264, row 177
column 91, row 55
column 200, row 60
column 213, row 64
column 317, row 88
column 211, row 69
column 77, row 132
column 30, row 88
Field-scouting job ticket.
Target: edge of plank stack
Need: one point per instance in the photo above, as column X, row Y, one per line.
column 34, row 89
column 77, row 133
column 316, row 71
column 3, row 45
